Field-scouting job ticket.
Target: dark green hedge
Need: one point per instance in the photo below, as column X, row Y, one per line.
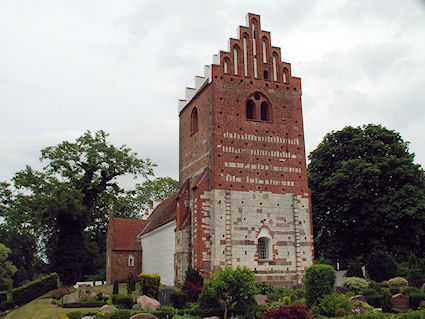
column 3, row 296
column 122, row 302
column 84, row 304
column 35, row 289
column 415, row 299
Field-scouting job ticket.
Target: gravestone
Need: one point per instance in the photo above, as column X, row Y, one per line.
column 358, row 297
column 164, row 297
column 401, row 302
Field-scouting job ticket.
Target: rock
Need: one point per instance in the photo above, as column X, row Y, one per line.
column 423, row 288
column 107, row 308
column 164, row 296
column 261, row 299
column 358, row 297
column 143, row 316
column 87, row 317
column 401, row 302
column 71, row 298
column 147, row 303
column 214, row 317
column 106, row 296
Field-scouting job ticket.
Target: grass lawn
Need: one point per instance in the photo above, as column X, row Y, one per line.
column 44, row 309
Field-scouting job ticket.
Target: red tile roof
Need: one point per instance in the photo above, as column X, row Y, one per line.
column 124, row 233
column 162, row 214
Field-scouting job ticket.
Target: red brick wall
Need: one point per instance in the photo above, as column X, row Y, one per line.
column 119, row 265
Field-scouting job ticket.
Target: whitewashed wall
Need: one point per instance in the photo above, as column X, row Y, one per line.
column 158, row 252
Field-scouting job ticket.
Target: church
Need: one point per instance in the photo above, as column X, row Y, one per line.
column 243, row 196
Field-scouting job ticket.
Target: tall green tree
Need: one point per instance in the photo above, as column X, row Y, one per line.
column 150, row 190
column 66, row 203
column 367, row 194
column 7, row 269
column 230, row 286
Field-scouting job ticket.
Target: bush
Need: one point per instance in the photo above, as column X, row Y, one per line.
column 398, row 282
column 394, row 290
column 320, row 281
column 286, row 300
column 387, row 301
column 131, row 283
column 5, row 305
column 35, row 289
column 264, row 288
column 410, row 290
column 288, row 312
column 3, row 296
column 373, row 297
column 122, row 302
column 381, row 266
column 118, row 314
column 354, row 268
column 415, row 299
column 59, row 293
column 84, row 304
column 148, row 284
column 178, row 299
column 354, row 284
column 75, row 315
column 115, row 290
column 329, row 304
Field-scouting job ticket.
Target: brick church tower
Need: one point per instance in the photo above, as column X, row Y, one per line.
column 244, row 197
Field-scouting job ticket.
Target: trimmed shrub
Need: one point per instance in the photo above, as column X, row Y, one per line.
column 329, row 304
column 286, row 300
column 148, row 284
column 288, row 312
column 118, row 314
column 354, row 268
column 178, row 299
column 3, row 296
column 35, row 289
column 115, row 288
column 410, row 290
column 373, row 297
column 122, row 302
column 75, row 315
column 398, row 282
column 415, row 299
column 8, row 304
column 381, row 266
column 320, row 281
column 131, row 283
column 354, row 284
column 387, row 301
column 84, row 304
column 394, row 290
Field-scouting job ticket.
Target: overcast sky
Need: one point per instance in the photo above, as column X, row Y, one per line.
column 71, row 66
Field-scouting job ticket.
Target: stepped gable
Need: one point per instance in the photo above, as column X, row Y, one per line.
column 125, row 231
column 251, row 55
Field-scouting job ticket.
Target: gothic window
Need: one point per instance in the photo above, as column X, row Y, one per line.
column 131, row 260
column 265, row 112
column 285, row 75
column 194, row 121
column 263, row 248
column 235, row 60
column 250, row 110
column 274, row 67
column 258, row 108
column 226, row 66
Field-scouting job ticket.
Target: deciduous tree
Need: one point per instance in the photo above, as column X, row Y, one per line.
column 367, row 194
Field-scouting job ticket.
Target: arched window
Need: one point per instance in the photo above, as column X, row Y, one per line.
column 235, row 59
column 264, row 248
column 285, row 75
column 264, row 50
column 265, row 112
column 131, row 260
column 274, row 67
column 194, row 121
column 250, row 110
column 226, row 66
